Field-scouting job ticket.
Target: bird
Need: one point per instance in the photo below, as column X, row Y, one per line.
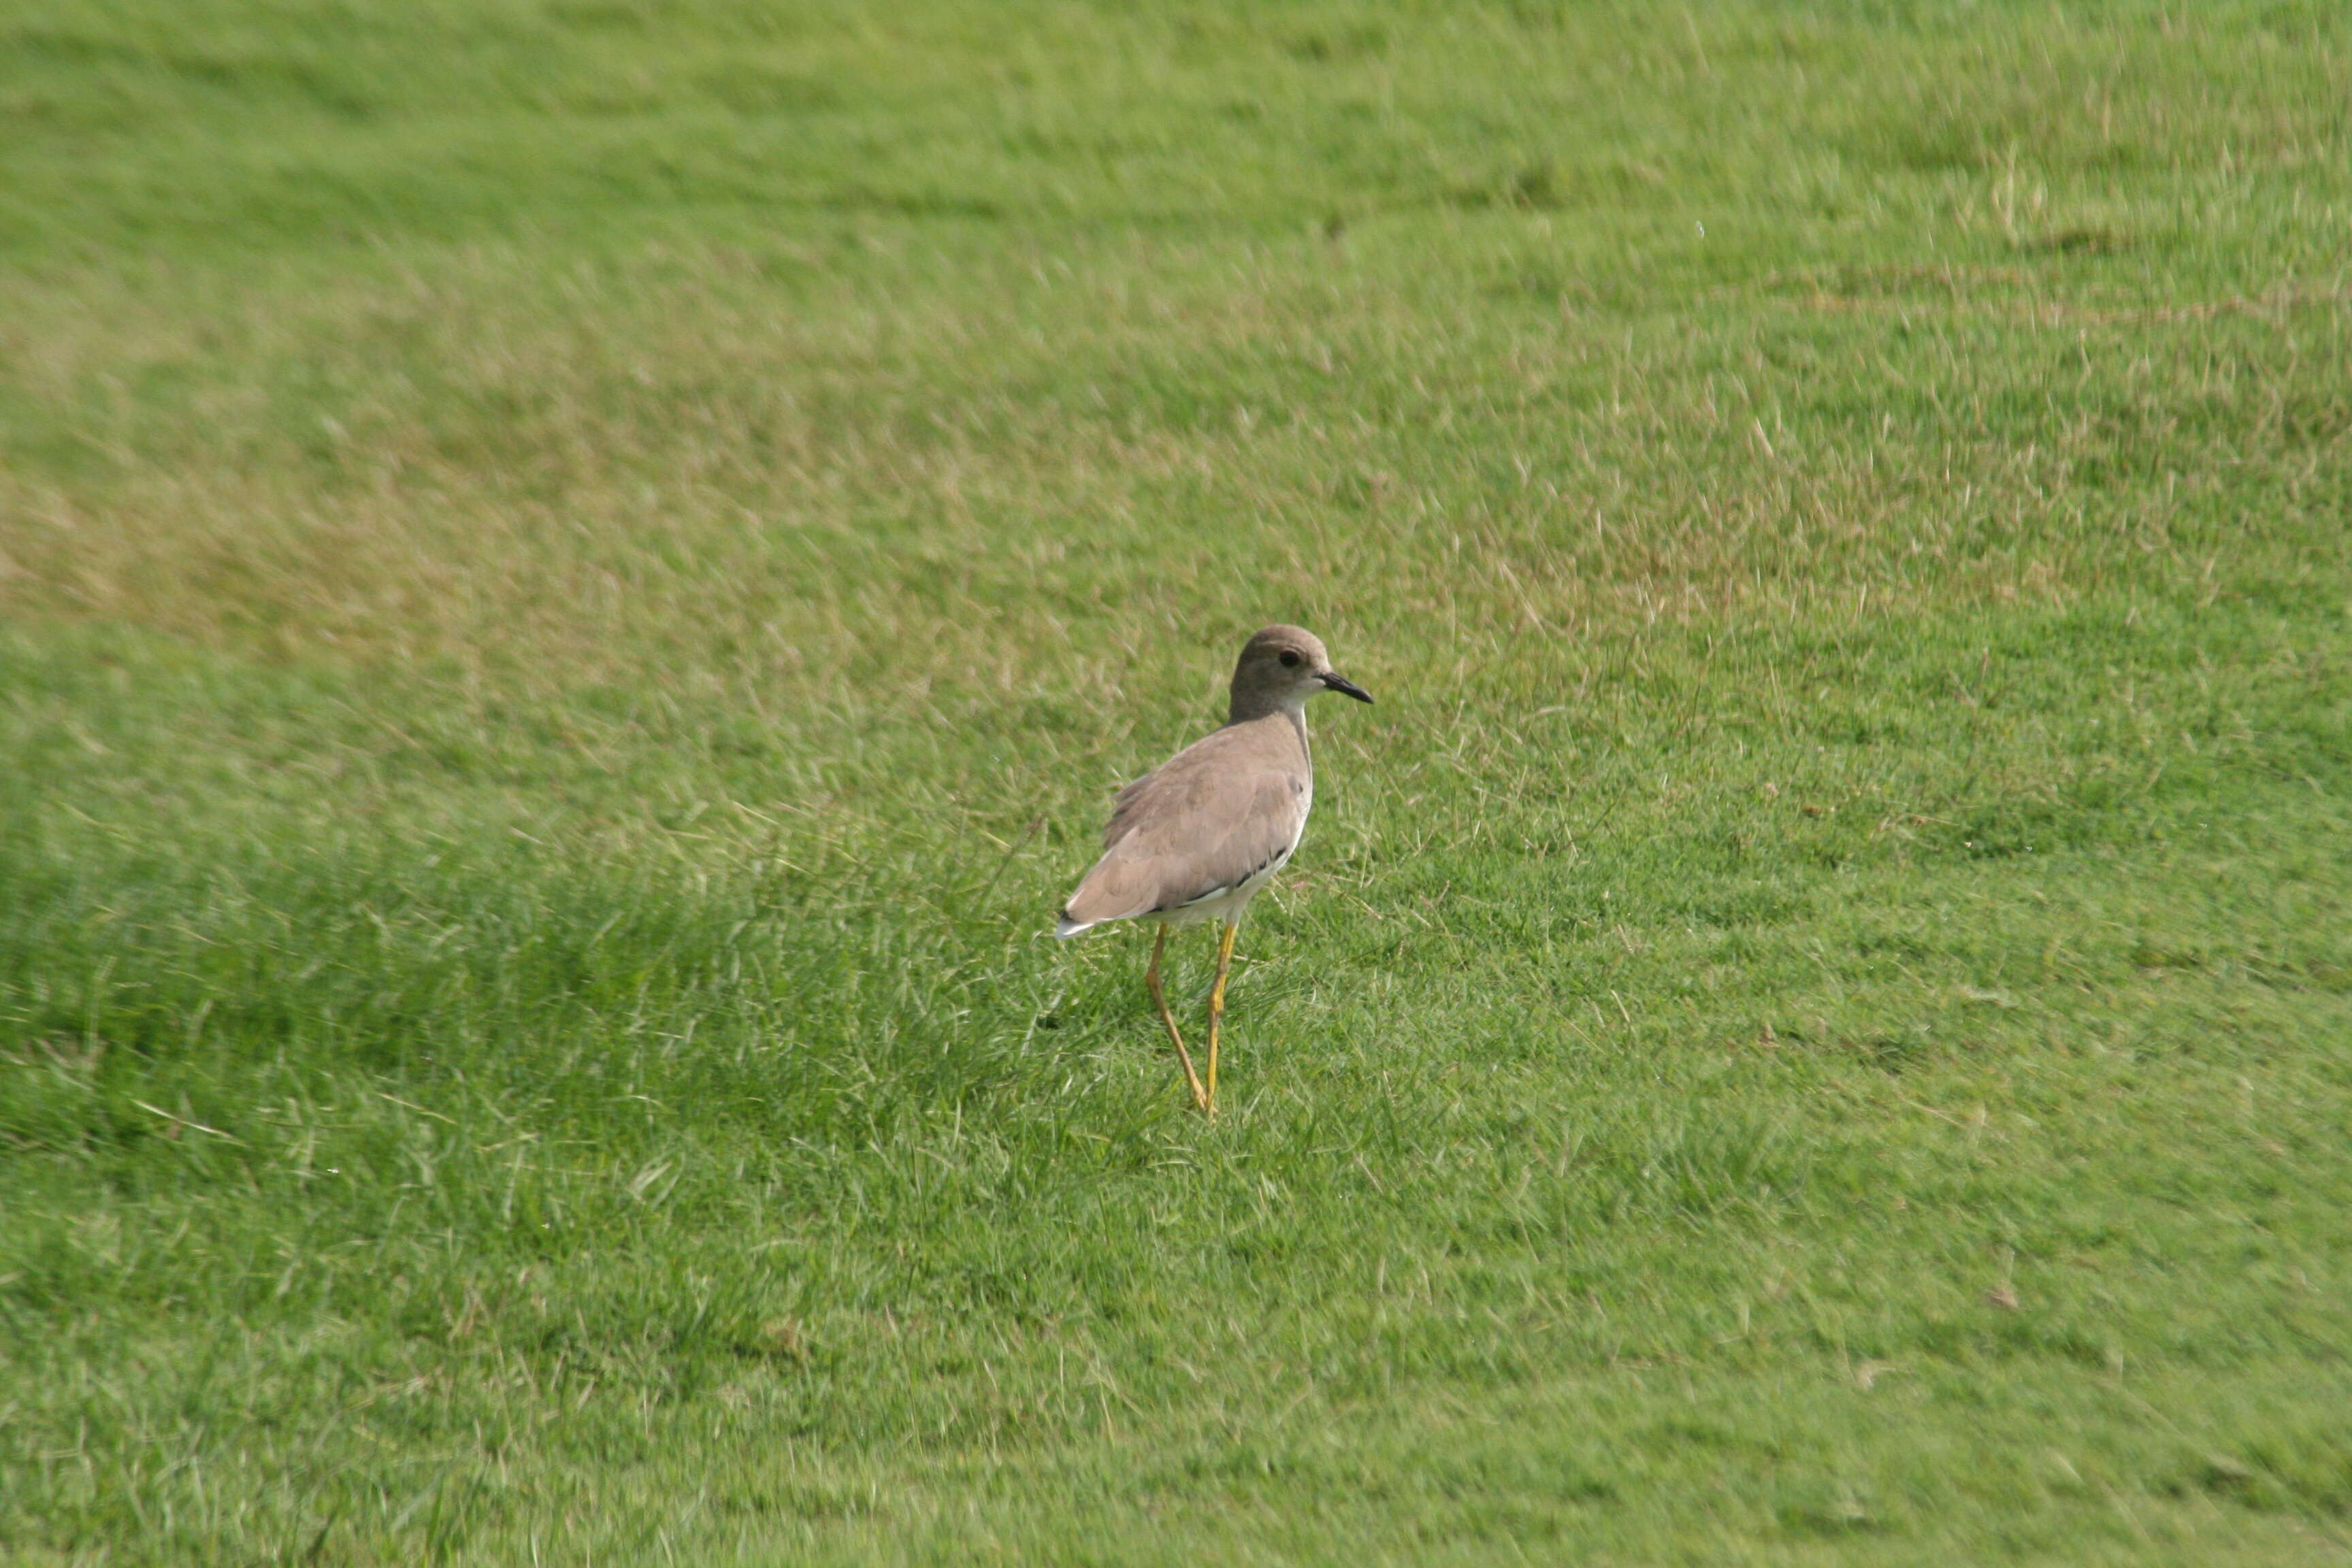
column 1195, row 838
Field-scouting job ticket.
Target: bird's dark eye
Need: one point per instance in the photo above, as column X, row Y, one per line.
column 1290, row 660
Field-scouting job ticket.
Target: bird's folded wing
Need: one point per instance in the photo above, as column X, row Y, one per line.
column 1251, row 823
column 1184, row 835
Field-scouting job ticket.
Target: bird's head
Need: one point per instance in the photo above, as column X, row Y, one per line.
column 1281, row 666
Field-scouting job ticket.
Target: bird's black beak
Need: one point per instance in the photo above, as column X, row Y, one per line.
column 1340, row 683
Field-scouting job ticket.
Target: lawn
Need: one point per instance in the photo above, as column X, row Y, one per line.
column 576, row 577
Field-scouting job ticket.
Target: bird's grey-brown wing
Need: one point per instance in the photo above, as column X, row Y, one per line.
column 1209, row 819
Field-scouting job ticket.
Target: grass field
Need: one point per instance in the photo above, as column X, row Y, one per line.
column 576, row 577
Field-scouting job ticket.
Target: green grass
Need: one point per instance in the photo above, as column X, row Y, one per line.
column 575, row 577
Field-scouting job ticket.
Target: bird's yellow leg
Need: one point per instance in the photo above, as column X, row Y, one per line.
column 1217, row 1006
column 1168, row 1021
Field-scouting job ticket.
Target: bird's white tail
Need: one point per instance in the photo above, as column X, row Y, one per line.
column 1068, row 928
